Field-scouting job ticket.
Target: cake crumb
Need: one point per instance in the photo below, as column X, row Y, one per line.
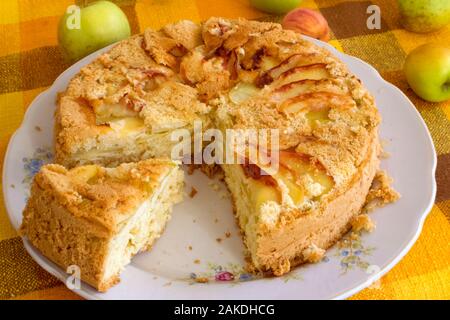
column 193, row 192
column 362, row 222
column 216, row 220
column 202, row 280
column 284, row 266
column 219, row 240
column 249, row 266
column 197, row 261
column 190, row 169
column 385, row 155
column 13, row 186
column 228, row 234
column 215, row 186
column 381, row 192
column 313, row 253
column 37, row 128
column 211, row 170
column 190, row 248
column 224, row 195
column 354, row 236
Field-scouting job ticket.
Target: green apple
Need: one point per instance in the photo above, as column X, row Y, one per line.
column 427, row 70
column 275, row 6
column 95, row 26
column 424, row 15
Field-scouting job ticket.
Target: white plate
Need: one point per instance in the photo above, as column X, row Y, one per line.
column 168, row 271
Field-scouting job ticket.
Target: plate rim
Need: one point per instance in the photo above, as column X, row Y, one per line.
column 404, row 248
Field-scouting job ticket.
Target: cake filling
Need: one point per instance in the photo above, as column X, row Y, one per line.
column 145, row 226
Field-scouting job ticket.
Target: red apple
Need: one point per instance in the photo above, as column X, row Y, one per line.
column 308, row 22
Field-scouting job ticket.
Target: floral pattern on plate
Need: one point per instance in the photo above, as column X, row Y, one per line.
column 31, row 166
column 353, row 253
column 231, row 273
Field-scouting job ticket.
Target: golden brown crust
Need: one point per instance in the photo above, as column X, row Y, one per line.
column 159, row 47
column 185, row 32
column 171, row 106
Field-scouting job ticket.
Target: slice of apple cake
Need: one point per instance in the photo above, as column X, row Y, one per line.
column 98, row 218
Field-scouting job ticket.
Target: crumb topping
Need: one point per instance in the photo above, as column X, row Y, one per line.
column 362, row 222
column 104, row 196
column 381, row 192
column 193, row 192
column 313, row 254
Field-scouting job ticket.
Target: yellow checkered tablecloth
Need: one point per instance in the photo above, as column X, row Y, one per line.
column 30, row 60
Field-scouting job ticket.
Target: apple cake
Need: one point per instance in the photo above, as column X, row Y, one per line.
column 234, row 74
column 98, row 218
